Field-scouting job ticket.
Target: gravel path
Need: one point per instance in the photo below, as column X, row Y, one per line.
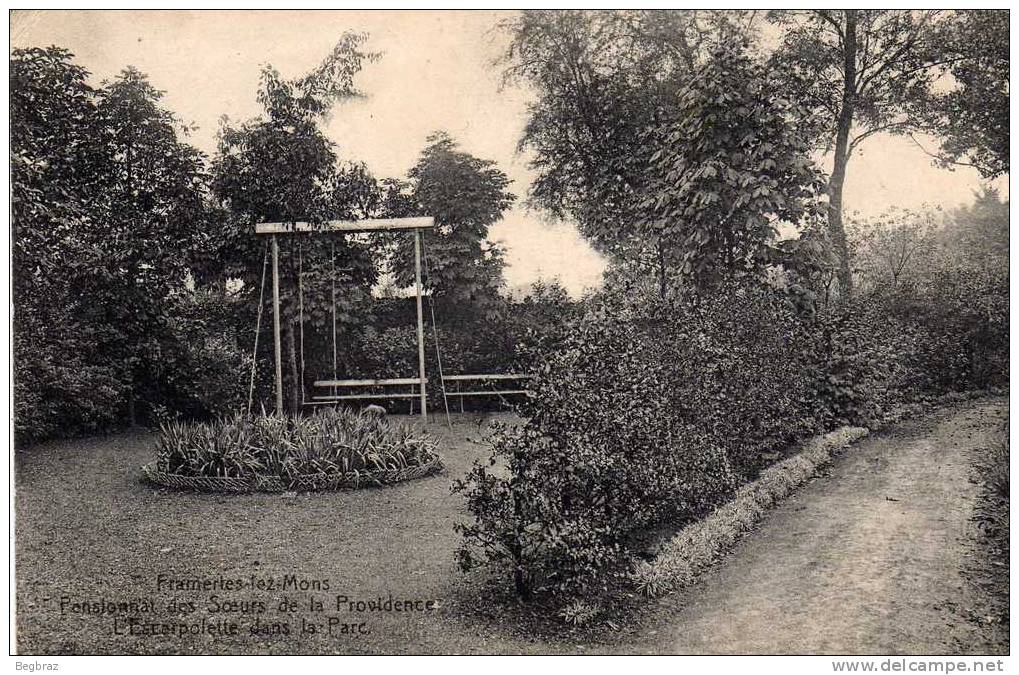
column 866, row 560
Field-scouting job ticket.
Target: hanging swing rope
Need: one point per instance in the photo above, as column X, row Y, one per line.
column 300, row 307
column 258, row 329
column 435, row 336
column 332, row 282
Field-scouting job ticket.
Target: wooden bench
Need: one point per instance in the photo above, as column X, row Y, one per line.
column 335, row 385
column 472, row 380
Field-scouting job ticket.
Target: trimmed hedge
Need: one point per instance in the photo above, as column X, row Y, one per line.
column 698, row 545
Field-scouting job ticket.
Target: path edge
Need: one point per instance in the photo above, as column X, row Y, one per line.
column 700, row 545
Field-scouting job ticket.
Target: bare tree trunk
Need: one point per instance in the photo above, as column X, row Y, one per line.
column 841, row 159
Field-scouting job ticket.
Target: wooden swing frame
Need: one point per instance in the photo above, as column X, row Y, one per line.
column 415, row 225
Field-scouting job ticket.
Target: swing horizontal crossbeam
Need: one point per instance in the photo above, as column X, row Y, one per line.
column 365, row 225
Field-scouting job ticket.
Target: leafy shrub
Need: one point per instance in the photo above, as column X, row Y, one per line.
column 934, row 289
column 331, row 441
column 897, row 345
column 872, row 363
column 992, row 512
column 203, row 369
column 991, row 516
column 643, row 409
column 966, row 310
column 646, row 409
column 62, row 384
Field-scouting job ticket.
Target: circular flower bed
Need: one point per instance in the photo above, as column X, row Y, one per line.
column 329, row 450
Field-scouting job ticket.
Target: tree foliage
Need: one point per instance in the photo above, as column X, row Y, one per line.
column 730, row 164
column 280, row 167
column 601, row 79
column 663, row 137
column 158, row 224
column 466, row 196
column 109, row 216
column 972, row 115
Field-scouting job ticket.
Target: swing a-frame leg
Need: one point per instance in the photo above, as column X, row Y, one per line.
column 277, row 343
column 421, row 324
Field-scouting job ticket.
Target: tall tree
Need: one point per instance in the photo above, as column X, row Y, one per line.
column 601, row 80
column 109, row 212
column 280, row 166
column 54, row 194
column 862, row 72
column 731, row 162
column 157, row 189
column 972, row 115
column 56, row 155
column 466, row 195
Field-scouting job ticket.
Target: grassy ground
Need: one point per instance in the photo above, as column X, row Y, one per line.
column 882, row 538
column 89, row 530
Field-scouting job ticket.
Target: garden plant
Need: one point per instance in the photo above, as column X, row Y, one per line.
column 334, row 447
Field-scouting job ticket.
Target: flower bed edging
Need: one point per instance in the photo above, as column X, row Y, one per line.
column 698, row 545
column 299, row 483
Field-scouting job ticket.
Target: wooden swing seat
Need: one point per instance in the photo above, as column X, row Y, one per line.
column 365, row 396
column 458, row 380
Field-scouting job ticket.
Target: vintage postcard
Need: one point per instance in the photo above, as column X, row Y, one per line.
column 519, row 332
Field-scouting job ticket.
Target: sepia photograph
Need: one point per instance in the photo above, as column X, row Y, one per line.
column 510, row 332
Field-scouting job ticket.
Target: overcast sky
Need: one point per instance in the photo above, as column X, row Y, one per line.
column 436, row 73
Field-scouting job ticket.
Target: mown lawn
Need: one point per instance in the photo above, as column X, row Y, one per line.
column 89, row 530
